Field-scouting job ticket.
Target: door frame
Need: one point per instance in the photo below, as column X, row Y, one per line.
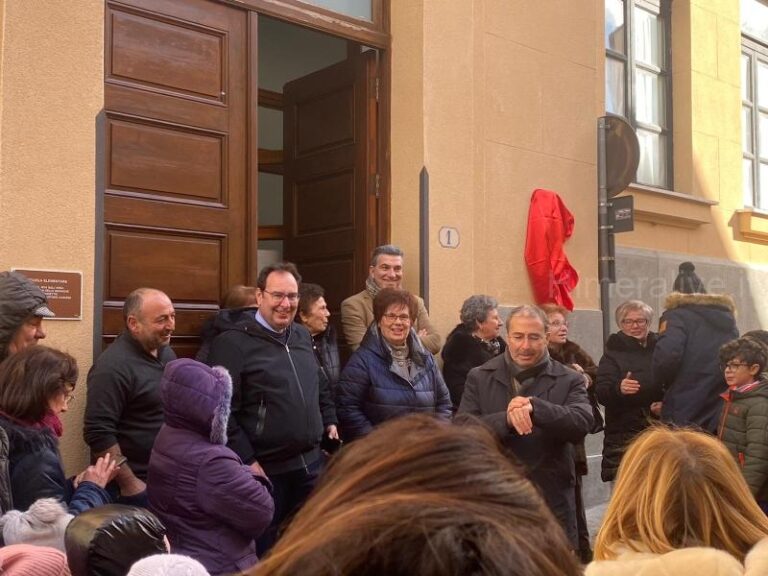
column 375, row 34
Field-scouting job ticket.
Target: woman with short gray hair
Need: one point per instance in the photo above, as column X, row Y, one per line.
column 625, row 385
column 472, row 343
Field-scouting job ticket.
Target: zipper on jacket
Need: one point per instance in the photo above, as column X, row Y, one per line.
column 303, row 399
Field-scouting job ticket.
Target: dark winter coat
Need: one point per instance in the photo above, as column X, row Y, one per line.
column 571, row 353
column 744, row 431
column 685, row 360
column 212, row 505
column 35, row 471
column 626, row 415
column 561, row 416
column 326, row 350
column 371, row 392
column 279, row 408
column 461, row 353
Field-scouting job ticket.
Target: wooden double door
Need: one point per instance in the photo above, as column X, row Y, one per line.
column 180, row 206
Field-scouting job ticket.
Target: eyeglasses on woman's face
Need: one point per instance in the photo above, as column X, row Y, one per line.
column 733, row 366
column 404, row 318
column 639, row 322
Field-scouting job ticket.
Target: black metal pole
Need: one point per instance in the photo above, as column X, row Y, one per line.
column 424, row 235
column 603, row 235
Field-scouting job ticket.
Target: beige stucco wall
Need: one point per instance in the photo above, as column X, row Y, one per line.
column 504, row 99
column 50, row 95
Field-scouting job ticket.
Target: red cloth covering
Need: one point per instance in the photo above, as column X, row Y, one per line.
column 550, row 224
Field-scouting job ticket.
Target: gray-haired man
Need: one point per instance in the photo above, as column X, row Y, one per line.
column 385, row 271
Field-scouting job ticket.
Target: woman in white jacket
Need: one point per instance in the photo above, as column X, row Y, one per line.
column 680, row 506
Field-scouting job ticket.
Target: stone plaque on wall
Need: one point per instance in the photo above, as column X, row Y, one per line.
column 64, row 291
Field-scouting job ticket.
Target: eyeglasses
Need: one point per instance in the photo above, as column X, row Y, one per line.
column 732, row 366
column 278, row 297
column 404, row 318
column 639, row 323
column 558, row 324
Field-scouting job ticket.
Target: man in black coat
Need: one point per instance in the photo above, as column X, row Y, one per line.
column 537, row 407
column 280, row 405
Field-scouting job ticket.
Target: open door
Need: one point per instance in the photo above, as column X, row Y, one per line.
column 330, row 178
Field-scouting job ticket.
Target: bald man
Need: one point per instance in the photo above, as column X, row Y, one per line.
column 123, row 413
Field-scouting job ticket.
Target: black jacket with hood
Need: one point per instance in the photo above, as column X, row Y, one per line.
column 626, row 415
column 685, row 360
column 279, row 407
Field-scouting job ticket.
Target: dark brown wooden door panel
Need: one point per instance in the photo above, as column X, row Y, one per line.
column 176, row 200
column 327, row 168
column 324, row 204
column 165, row 161
column 166, row 54
column 190, row 266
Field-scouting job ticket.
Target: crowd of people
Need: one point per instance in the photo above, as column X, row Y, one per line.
column 269, row 455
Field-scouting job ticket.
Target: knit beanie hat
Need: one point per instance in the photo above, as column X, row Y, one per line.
column 43, row 524
column 687, row 281
column 168, row 565
column 20, row 298
column 26, row 560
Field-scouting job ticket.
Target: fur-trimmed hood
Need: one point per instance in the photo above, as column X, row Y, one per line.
column 197, row 397
column 683, row 562
column 678, row 299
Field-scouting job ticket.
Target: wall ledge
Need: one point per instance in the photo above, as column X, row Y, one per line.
column 752, row 225
column 670, row 208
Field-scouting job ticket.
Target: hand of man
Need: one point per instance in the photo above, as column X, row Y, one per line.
column 656, row 409
column 628, row 385
column 519, row 415
column 421, row 333
column 332, row 431
column 132, row 487
column 257, row 469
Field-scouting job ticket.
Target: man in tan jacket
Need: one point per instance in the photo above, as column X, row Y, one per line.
column 385, row 271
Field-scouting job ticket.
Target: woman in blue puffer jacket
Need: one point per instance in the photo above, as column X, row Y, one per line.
column 391, row 374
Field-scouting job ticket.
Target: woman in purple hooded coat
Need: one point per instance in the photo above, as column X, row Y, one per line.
column 212, row 504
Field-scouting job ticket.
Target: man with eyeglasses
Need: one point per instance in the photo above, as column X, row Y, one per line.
column 280, row 405
column 385, row 271
column 537, row 407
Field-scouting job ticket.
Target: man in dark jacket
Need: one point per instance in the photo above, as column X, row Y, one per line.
column 22, row 309
column 538, row 408
column 685, row 364
column 123, row 412
column 279, row 409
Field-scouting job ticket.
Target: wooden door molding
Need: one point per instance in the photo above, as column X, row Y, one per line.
column 175, row 200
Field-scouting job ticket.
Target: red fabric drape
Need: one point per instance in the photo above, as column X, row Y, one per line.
column 550, row 224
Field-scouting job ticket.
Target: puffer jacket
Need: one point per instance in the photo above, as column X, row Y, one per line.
column 697, row 561
column 213, row 506
column 626, row 415
column 370, row 391
column 35, row 471
column 685, row 361
column 744, row 430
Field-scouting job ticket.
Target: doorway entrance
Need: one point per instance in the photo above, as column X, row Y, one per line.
column 233, row 140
